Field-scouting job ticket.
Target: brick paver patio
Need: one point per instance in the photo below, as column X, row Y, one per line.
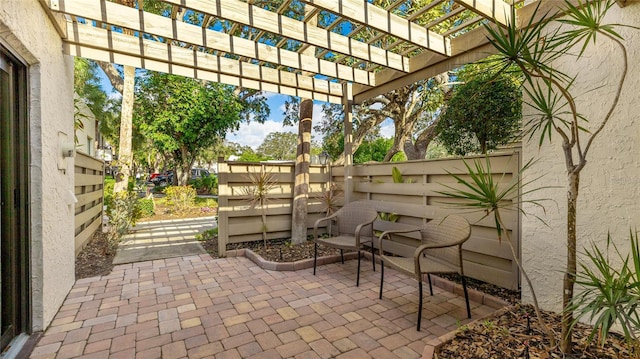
column 199, row 307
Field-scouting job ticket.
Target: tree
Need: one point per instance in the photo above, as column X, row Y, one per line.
column 279, row 146
column 299, row 211
column 183, row 116
column 483, row 113
column 536, row 49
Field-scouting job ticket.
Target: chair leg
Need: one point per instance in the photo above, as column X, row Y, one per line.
column 315, row 257
column 381, row 277
column 466, row 295
column 373, row 255
column 419, row 304
column 342, row 256
column 430, row 287
column 358, row 275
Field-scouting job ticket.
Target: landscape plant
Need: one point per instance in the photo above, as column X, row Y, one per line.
column 610, row 295
column 481, row 192
column 121, row 217
column 181, row 198
column 145, row 207
column 257, row 193
column 537, row 49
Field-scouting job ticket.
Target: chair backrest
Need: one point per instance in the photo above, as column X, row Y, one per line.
column 353, row 214
column 450, row 229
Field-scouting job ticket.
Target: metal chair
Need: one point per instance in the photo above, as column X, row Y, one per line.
column 354, row 224
column 439, row 253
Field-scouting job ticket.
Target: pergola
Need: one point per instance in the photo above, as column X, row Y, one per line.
column 359, row 47
column 340, row 51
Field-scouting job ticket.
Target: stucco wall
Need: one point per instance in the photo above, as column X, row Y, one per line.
column 609, row 197
column 28, row 32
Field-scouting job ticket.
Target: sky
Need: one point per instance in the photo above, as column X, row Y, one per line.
column 252, row 134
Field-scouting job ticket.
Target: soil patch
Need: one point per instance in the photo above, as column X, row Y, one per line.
column 95, row 259
column 515, row 334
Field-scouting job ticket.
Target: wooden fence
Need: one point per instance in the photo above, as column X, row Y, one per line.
column 415, row 201
column 89, row 179
column 237, row 222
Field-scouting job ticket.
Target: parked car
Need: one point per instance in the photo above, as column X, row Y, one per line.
column 163, row 179
column 199, row 172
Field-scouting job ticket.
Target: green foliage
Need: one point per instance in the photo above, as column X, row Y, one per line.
column 183, row 116
column 611, row 295
column 145, row 207
column 207, row 235
column 206, row 184
column 482, row 193
column 249, row 155
column 121, row 217
column 372, row 151
column 279, row 146
column 483, row 113
column 181, row 198
column 107, row 190
column 539, row 52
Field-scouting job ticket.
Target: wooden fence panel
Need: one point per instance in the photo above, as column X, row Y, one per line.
column 88, row 183
column 415, row 202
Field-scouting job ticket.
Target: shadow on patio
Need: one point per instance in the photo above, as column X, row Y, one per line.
column 230, row 308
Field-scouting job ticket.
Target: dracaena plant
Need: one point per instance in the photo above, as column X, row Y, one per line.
column 482, row 193
column 535, row 49
column 610, row 295
column 257, row 193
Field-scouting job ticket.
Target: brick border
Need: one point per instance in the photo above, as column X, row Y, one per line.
column 287, row 266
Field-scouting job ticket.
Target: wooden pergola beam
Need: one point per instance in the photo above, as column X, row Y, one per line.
column 104, row 45
column 361, row 11
column 467, row 48
column 497, row 11
column 163, row 27
column 256, row 17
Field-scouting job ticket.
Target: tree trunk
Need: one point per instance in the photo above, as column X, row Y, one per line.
column 301, row 182
column 570, row 275
column 303, row 157
column 126, row 131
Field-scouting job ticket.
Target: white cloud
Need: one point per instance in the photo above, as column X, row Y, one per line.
column 387, row 130
column 253, row 134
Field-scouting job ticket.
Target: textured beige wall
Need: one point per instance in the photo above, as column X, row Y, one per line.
column 609, row 197
column 28, row 32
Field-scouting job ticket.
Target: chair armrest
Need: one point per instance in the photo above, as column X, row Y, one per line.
column 394, row 231
column 425, row 247
column 359, row 228
column 315, row 225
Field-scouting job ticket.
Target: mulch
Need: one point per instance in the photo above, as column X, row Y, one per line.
column 516, row 334
column 95, row 259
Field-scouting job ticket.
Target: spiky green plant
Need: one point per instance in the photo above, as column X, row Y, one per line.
column 610, row 295
column 534, row 49
column 482, row 193
column 262, row 183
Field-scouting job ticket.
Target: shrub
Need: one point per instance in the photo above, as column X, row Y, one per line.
column 206, row 184
column 145, row 207
column 109, row 182
column 207, row 235
column 180, row 197
column 121, row 217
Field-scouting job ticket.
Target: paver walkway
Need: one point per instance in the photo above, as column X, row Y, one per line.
column 230, row 308
column 163, row 239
